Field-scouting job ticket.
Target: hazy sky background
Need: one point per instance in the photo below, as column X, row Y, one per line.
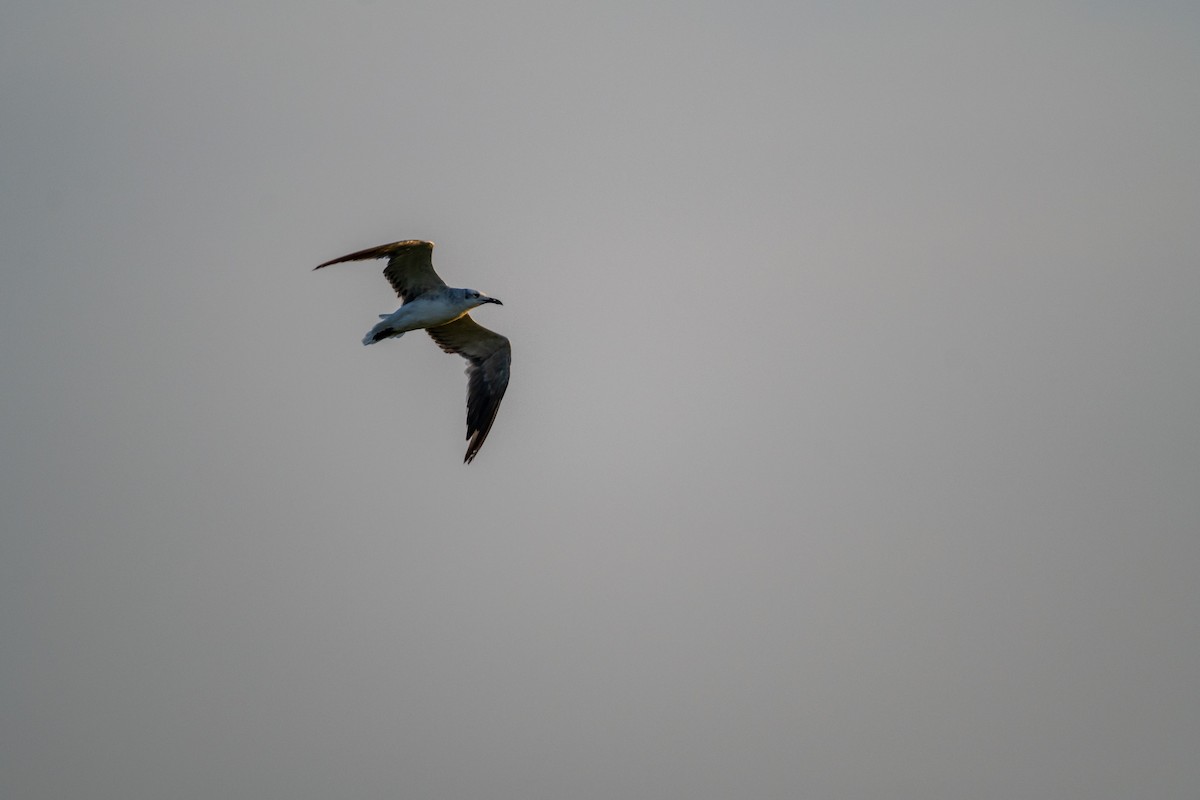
column 852, row 448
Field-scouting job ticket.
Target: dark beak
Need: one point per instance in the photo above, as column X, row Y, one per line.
column 494, row 300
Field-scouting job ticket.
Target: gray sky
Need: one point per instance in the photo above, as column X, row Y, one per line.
column 851, row 450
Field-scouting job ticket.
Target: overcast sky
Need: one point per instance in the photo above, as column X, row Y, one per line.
column 852, row 448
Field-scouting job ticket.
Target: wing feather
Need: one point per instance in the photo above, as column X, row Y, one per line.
column 489, row 356
column 409, row 269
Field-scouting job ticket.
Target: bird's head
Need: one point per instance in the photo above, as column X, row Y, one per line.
column 478, row 298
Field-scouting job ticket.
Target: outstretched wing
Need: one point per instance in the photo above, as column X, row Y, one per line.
column 409, row 269
column 489, row 355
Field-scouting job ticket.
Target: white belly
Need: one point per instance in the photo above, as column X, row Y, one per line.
column 422, row 313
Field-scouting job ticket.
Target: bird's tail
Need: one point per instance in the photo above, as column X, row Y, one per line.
column 382, row 331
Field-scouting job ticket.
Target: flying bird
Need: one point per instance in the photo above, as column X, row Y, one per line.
column 427, row 302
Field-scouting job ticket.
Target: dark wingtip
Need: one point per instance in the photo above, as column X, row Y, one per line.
column 328, row 263
column 473, row 447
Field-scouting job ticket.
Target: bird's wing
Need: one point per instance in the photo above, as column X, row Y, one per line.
column 409, row 269
column 487, row 377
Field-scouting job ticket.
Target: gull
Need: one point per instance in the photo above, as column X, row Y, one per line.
column 427, row 302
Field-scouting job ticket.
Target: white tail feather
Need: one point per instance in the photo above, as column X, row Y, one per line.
column 381, row 331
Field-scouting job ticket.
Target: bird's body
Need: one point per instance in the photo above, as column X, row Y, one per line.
column 429, row 304
column 436, row 307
